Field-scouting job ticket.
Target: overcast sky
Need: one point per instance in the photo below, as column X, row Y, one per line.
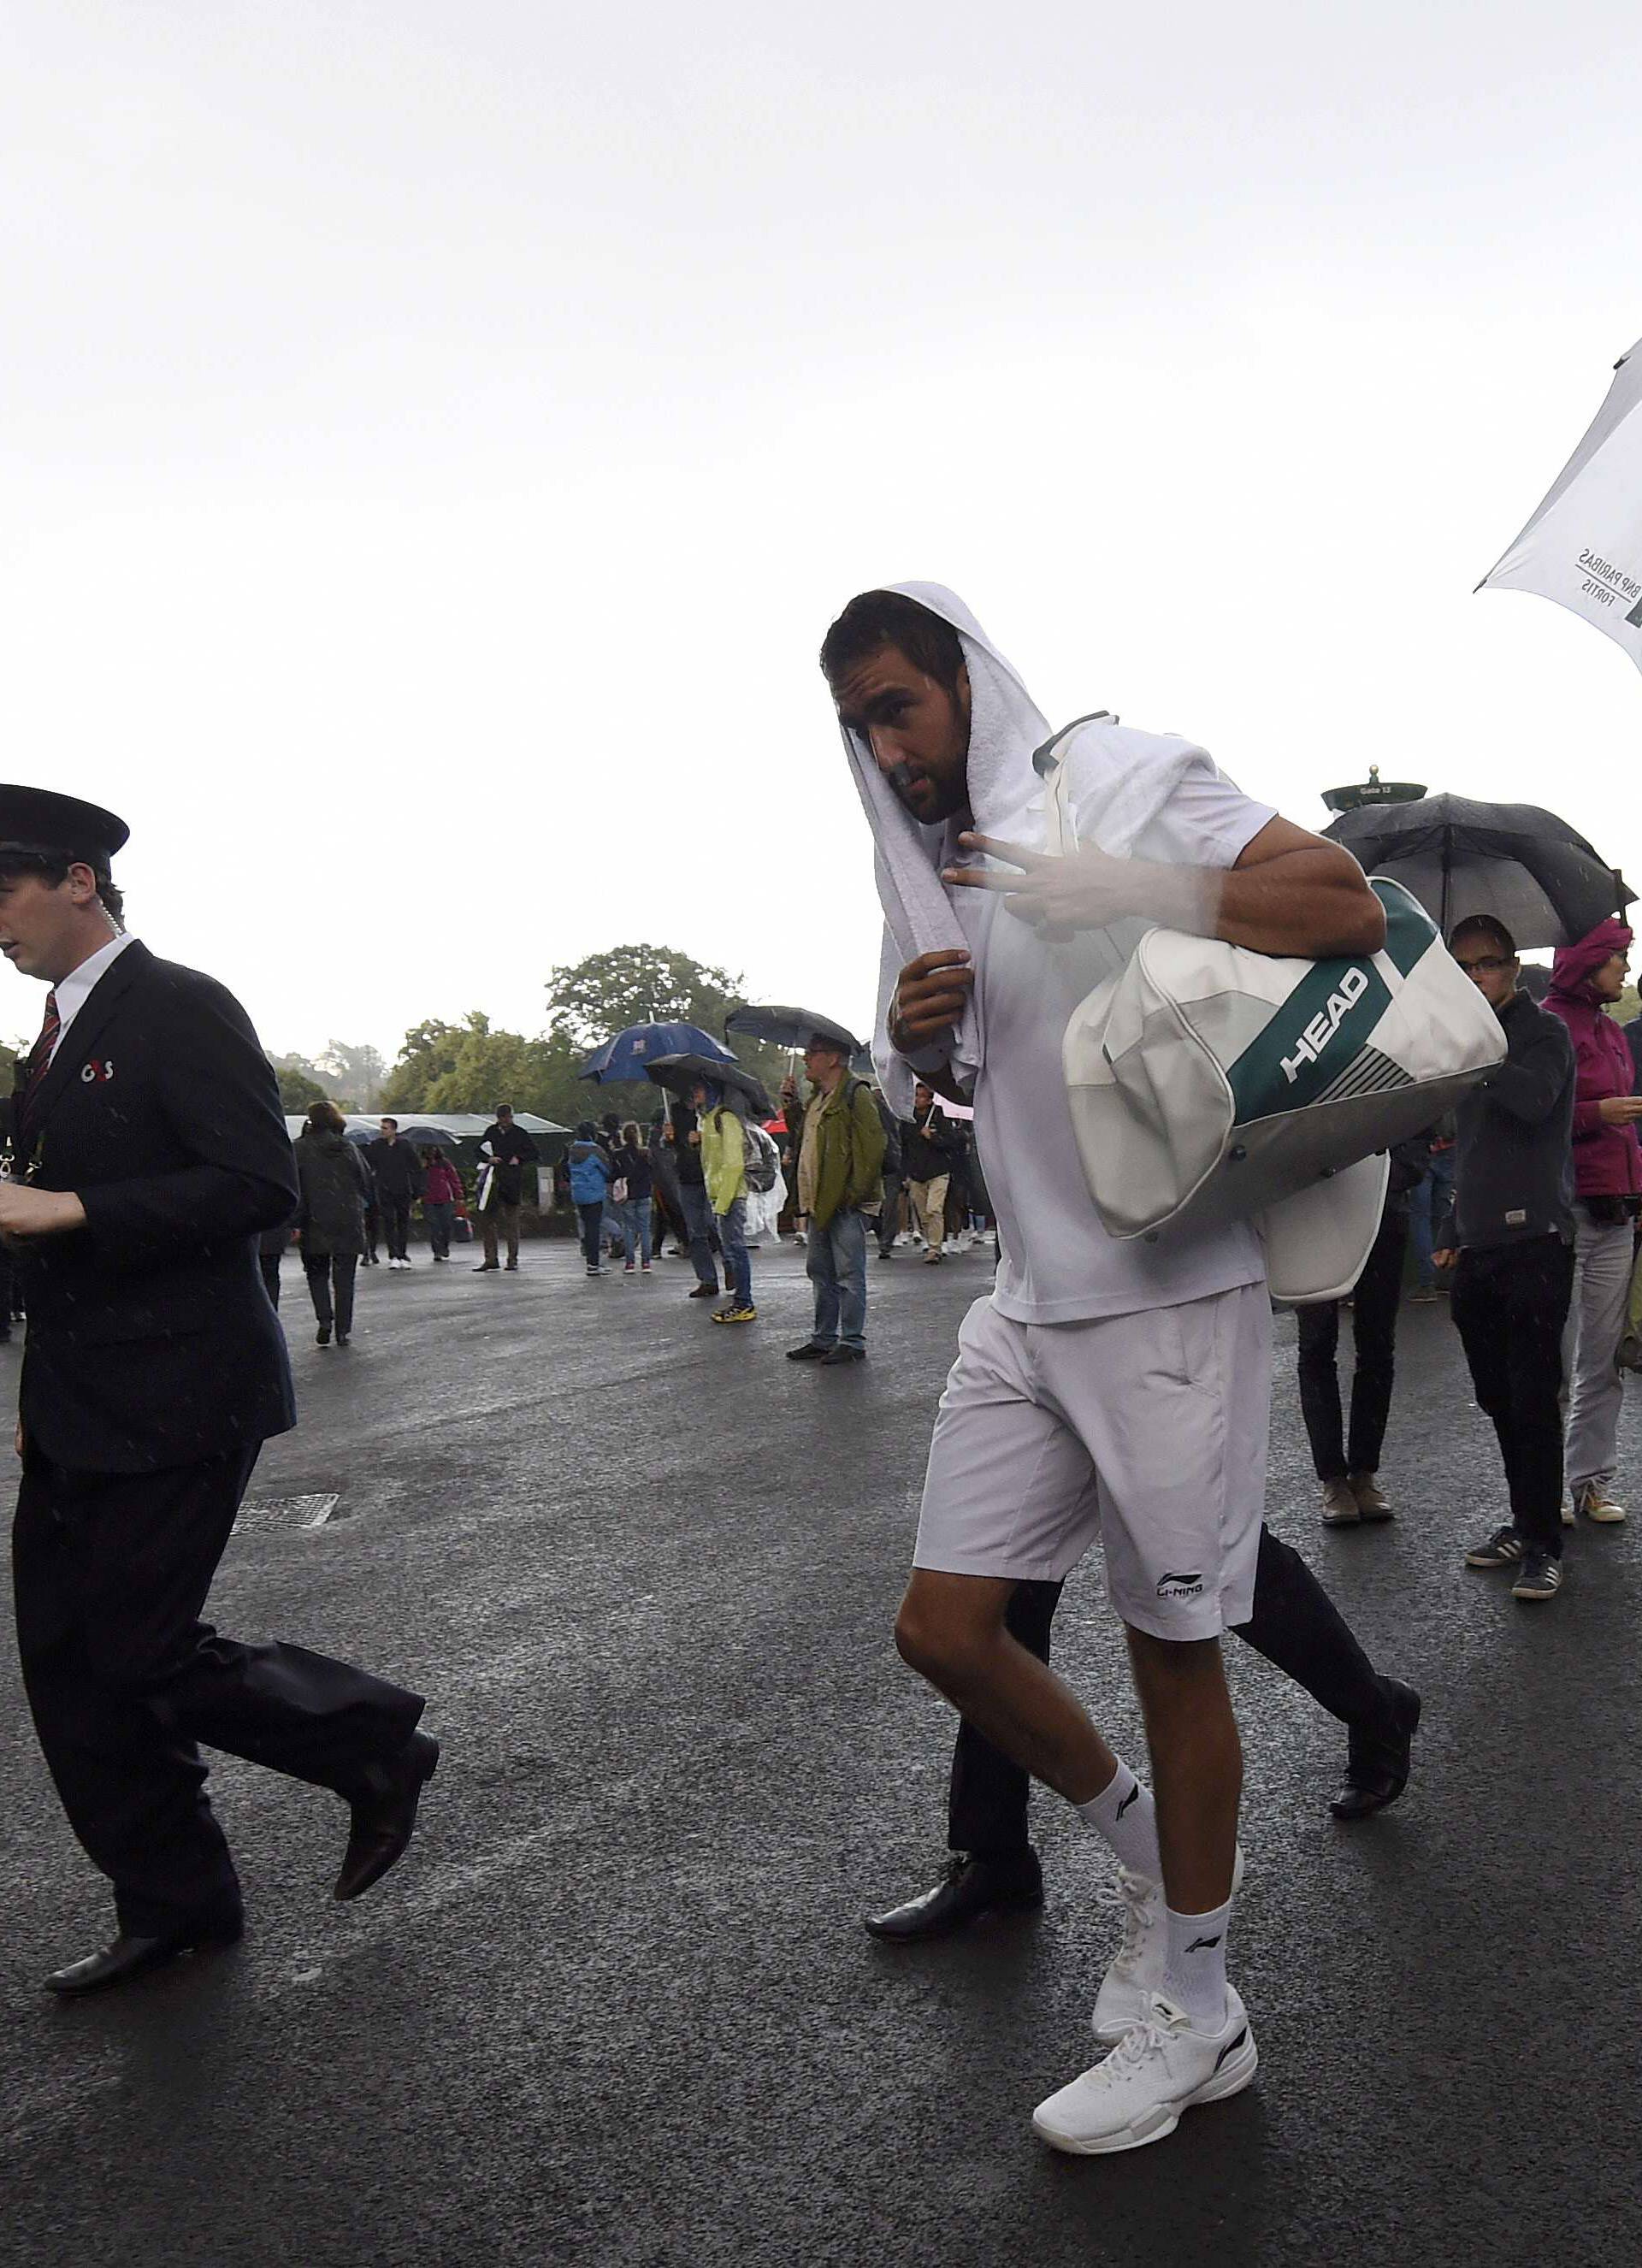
column 436, row 437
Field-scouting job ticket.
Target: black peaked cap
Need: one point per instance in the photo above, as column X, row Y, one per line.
column 33, row 819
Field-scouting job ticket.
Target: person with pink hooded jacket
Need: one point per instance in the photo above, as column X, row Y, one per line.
column 1587, row 979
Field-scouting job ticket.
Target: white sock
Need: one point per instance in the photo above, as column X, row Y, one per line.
column 1193, row 1972
column 1124, row 1813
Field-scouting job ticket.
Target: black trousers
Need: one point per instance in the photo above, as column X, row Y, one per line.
column 1376, row 1299
column 1510, row 1305
column 269, row 1262
column 396, row 1225
column 124, row 1679
column 1295, row 1625
column 330, row 1287
column 889, row 1212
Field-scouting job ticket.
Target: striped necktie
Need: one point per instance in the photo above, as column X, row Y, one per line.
column 38, row 1064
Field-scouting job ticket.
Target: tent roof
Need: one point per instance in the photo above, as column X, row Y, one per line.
column 461, row 1125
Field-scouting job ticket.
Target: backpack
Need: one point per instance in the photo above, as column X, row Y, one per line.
column 758, row 1159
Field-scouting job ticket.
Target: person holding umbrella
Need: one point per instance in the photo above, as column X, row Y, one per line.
column 840, row 1151
column 719, row 1122
column 1585, row 980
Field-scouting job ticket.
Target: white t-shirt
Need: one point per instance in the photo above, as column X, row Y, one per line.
column 1059, row 1265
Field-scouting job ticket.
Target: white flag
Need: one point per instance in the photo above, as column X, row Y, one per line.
column 1583, row 546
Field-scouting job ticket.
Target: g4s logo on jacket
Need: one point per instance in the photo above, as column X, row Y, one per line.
column 97, row 1072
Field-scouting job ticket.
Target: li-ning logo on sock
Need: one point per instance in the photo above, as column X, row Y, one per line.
column 1129, row 1799
column 1181, row 1586
column 1204, row 1944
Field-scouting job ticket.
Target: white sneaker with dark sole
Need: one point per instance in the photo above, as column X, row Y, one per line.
column 1135, row 1976
column 1158, row 2069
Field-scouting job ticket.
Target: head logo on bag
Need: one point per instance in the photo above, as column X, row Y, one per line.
column 1316, row 1047
column 1208, row 1084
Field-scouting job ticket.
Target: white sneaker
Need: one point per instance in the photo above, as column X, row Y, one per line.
column 1135, row 1976
column 1595, row 1503
column 1159, row 2067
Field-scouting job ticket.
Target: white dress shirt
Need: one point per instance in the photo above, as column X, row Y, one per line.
column 75, row 988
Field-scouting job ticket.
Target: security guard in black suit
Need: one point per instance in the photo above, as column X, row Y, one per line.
column 147, row 1151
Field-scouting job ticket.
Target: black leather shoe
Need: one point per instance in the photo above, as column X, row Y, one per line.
column 808, row 1352
column 129, row 1957
column 1377, row 1763
column 834, row 1356
column 384, row 1821
column 969, row 1889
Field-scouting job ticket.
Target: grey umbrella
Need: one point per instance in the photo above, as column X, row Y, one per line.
column 788, row 1027
column 1525, row 866
column 679, row 1074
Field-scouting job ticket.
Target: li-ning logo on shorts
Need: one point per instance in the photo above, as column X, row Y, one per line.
column 1326, row 1023
column 1181, row 1586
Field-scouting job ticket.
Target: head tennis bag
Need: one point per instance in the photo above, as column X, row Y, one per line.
column 1208, row 1082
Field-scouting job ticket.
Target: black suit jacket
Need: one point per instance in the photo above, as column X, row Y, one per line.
column 151, row 1340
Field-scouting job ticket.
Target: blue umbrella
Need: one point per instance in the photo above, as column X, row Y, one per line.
column 628, row 1055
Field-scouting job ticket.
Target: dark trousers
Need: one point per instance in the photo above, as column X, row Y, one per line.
column 591, row 1218
column 500, row 1220
column 269, row 1262
column 1510, row 1305
column 889, row 1213
column 1376, row 1299
column 440, row 1217
column 396, row 1226
column 330, row 1287
column 1295, row 1625
column 123, row 1678
column 703, row 1233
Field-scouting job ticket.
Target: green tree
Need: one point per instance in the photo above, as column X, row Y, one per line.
column 352, row 1072
column 469, row 1066
column 591, row 1000
column 296, row 1090
column 428, row 1051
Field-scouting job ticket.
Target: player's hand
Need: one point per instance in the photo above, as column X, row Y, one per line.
column 1055, row 897
column 931, row 993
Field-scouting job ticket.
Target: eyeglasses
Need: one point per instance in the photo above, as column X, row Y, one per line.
column 1489, row 966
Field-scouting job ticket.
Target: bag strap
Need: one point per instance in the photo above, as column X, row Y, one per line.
column 1063, row 828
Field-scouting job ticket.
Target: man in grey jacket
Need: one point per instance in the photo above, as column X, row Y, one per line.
column 1509, row 1240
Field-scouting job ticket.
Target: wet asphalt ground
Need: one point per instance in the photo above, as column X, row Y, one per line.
column 616, row 2007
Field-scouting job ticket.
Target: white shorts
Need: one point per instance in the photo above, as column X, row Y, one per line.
column 1148, row 1431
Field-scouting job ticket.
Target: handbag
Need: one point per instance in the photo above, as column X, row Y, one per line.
column 618, row 1189
column 1211, row 1084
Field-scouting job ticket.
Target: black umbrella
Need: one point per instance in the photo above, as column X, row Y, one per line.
column 788, row 1027
column 679, row 1074
column 1525, row 866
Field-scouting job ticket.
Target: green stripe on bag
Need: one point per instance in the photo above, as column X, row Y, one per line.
column 1329, row 1018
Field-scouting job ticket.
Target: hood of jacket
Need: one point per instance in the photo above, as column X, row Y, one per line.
column 1574, row 966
